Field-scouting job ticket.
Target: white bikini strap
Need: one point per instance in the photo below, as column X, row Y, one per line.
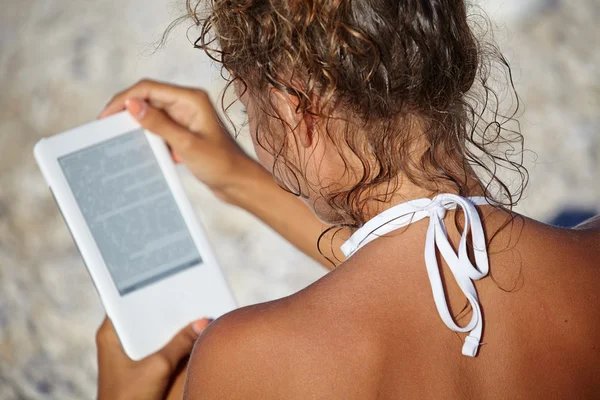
column 459, row 263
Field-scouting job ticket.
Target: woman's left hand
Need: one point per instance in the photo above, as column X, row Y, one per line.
column 151, row 378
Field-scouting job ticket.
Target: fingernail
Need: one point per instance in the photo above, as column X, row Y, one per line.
column 136, row 107
column 200, row 325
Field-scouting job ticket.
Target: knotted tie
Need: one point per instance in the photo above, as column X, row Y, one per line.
column 460, row 265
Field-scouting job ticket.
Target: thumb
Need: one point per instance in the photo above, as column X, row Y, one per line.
column 181, row 345
column 180, row 139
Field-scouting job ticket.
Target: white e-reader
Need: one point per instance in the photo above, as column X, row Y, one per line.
column 119, row 192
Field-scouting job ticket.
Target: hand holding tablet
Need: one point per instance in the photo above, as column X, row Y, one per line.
column 120, row 195
column 186, row 119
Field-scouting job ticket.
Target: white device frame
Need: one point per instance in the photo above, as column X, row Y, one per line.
column 147, row 318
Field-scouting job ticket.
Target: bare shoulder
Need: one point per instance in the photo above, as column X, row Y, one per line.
column 301, row 346
column 237, row 356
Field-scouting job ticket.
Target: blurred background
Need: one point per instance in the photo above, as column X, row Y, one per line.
column 61, row 61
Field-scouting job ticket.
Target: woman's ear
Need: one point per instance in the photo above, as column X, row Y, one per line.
column 309, row 122
column 302, row 123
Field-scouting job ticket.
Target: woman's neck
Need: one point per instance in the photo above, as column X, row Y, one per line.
column 407, row 190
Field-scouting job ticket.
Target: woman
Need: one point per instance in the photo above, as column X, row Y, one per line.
column 379, row 116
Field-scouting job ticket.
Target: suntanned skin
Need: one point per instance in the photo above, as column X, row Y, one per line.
column 369, row 329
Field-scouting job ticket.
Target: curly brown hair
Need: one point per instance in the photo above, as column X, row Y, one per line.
column 375, row 72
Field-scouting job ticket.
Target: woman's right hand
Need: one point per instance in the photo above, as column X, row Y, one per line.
column 187, row 120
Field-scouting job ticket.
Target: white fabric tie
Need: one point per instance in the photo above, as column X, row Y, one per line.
column 459, row 263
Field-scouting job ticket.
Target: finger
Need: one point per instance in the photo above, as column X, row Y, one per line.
column 110, row 350
column 106, row 333
column 158, row 93
column 174, row 156
column 181, row 345
column 181, row 141
column 190, row 108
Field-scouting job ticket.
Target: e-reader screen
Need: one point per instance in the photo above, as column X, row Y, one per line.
column 130, row 210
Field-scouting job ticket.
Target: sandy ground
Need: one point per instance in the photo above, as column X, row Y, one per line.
column 61, row 60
